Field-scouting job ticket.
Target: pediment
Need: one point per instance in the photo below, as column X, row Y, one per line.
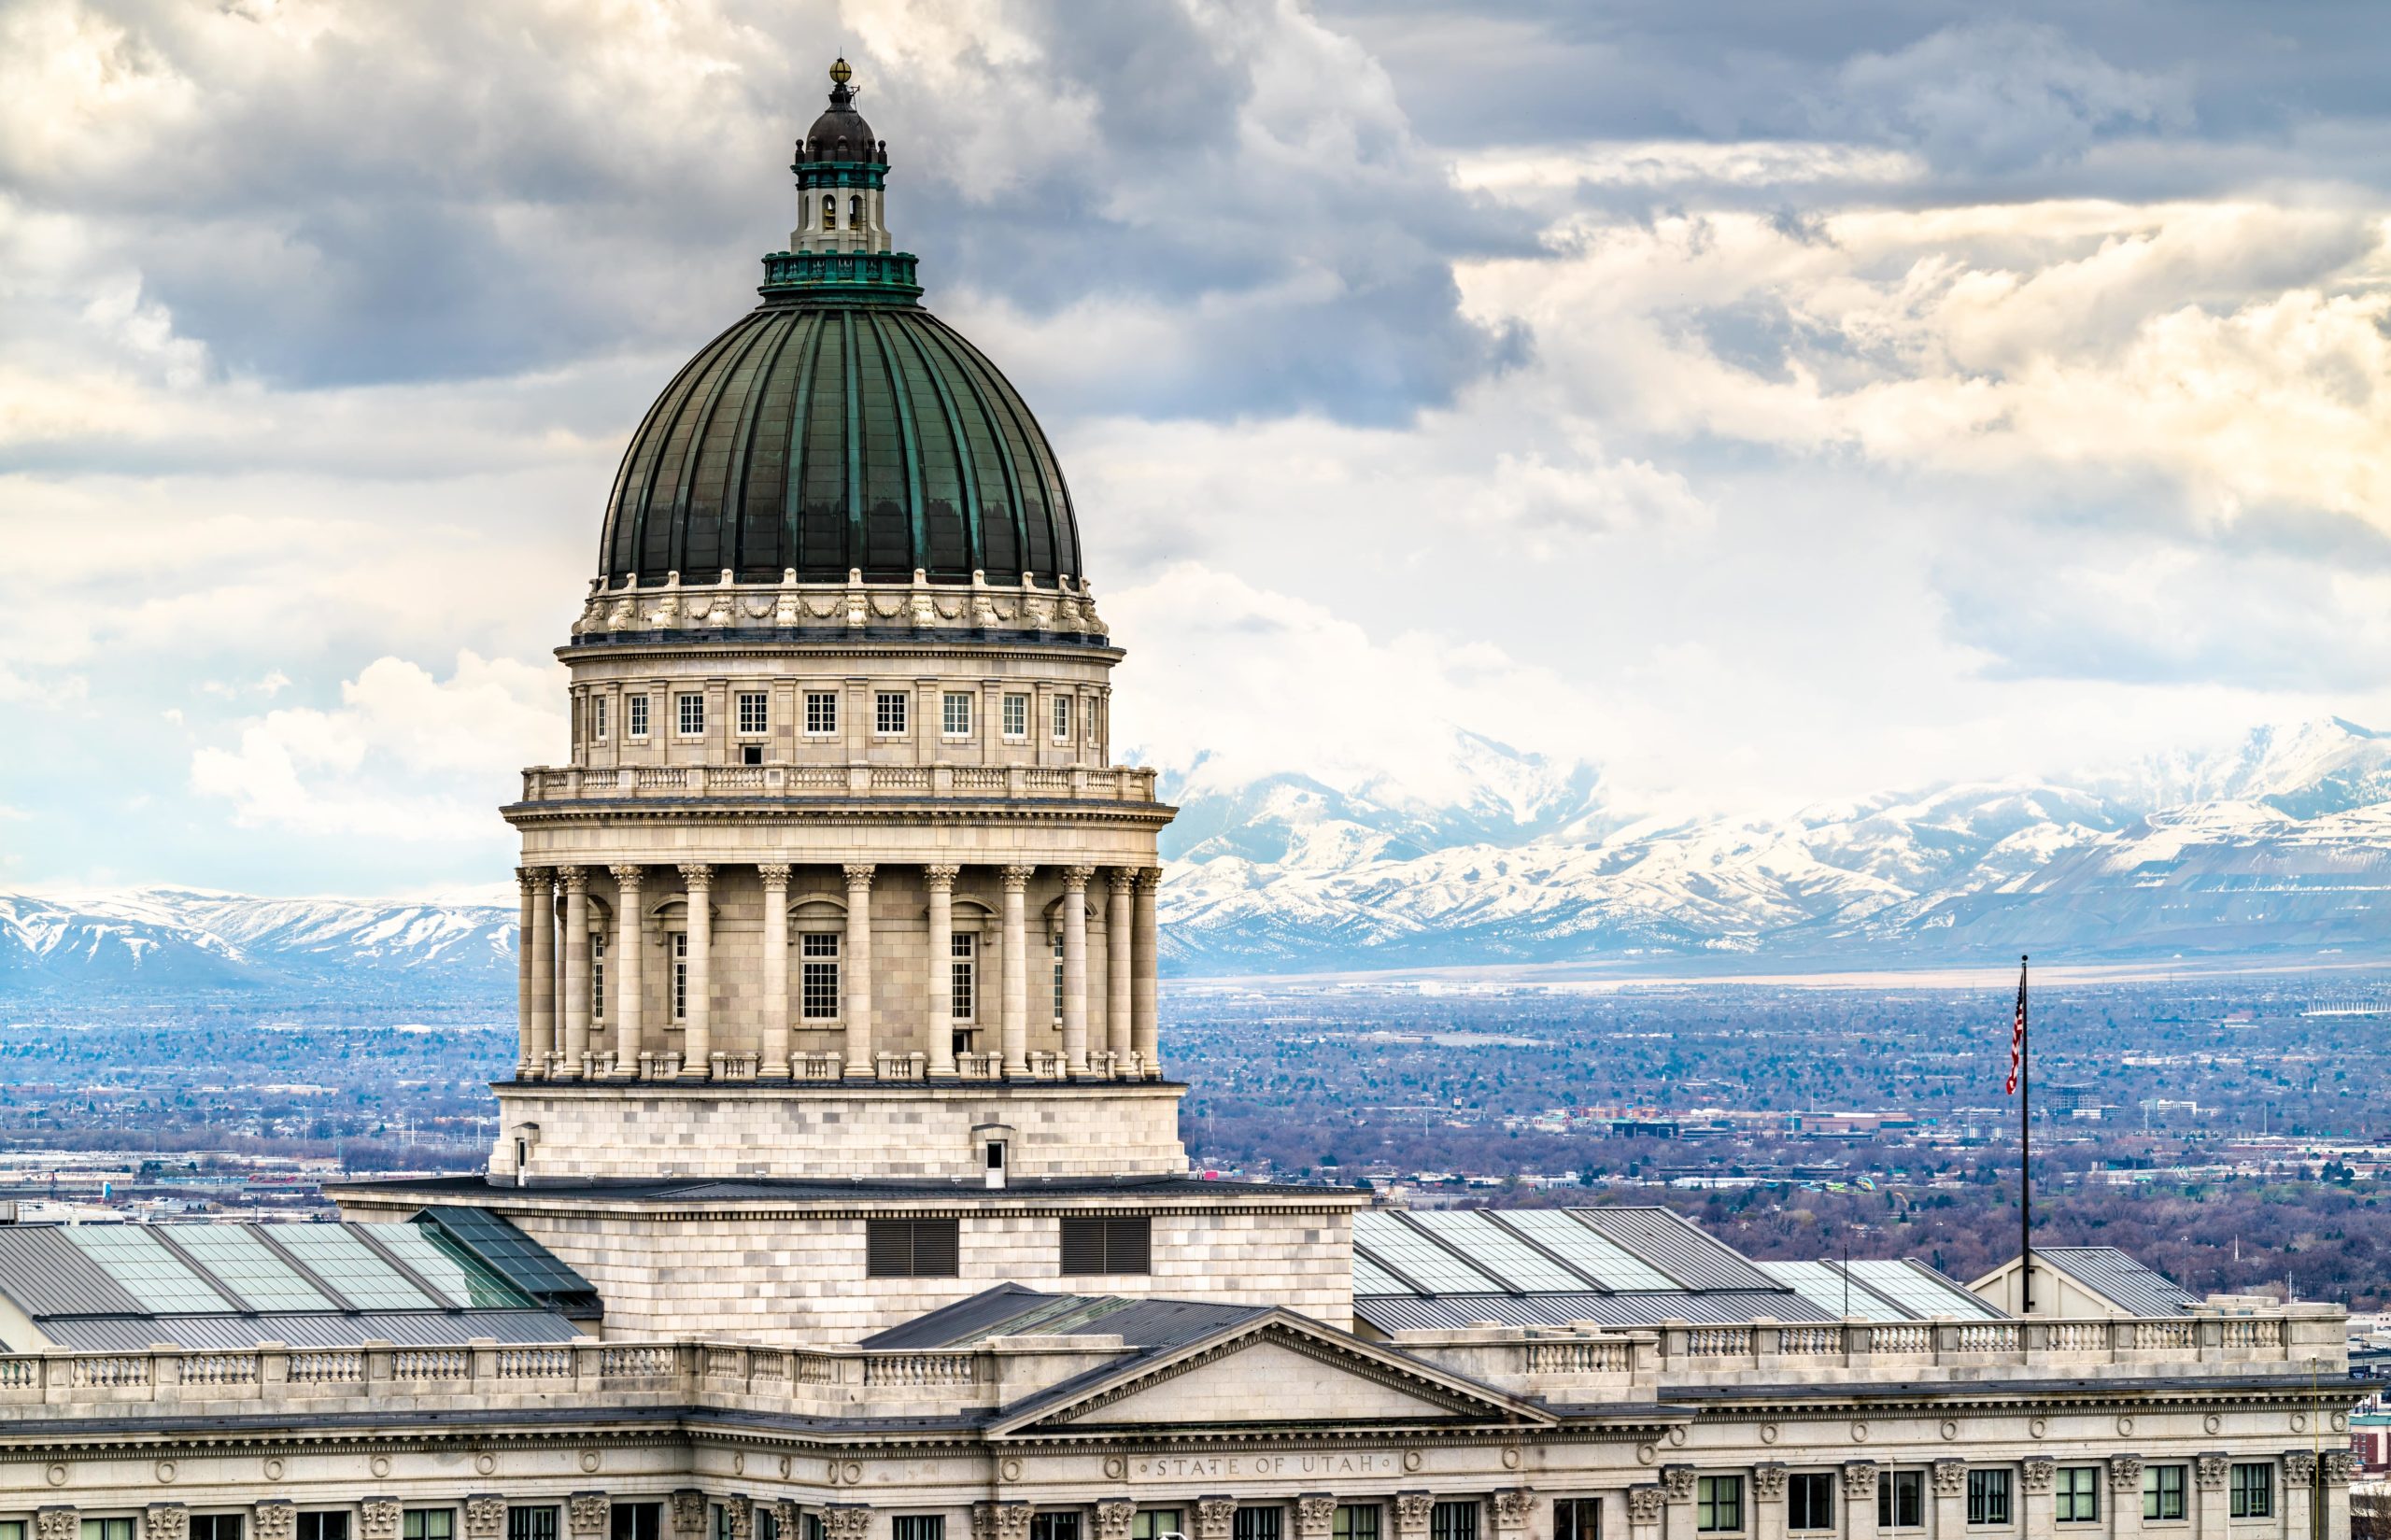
column 1281, row 1369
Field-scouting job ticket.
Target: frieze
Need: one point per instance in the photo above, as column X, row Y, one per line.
column 794, row 607
column 1193, row 1467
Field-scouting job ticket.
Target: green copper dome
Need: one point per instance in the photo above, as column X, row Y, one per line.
column 839, row 426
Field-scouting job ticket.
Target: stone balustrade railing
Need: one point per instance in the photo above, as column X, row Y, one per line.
column 1560, row 1366
column 1012, row 782
column 1565, row 1363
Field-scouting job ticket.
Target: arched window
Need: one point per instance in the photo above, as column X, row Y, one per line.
column 854, row 212
column 830, row 212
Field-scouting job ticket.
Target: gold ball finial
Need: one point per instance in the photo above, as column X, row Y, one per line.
column 840, row 73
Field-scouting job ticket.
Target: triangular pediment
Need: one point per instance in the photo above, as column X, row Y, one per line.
column 1280, row 1369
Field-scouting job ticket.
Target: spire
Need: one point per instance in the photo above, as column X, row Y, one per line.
column 840, row 246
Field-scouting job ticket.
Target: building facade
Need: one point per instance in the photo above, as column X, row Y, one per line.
column 839, row 1193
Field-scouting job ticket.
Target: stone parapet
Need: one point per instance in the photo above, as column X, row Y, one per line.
column 692, row 609
column 805, row 785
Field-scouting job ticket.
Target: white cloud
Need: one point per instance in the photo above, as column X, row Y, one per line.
column 404, row 755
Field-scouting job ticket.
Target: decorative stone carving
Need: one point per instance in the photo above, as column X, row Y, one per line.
column 377, row 1518
column 1112, row 1515
column 1013, row 1521
column 2125, row 1473
column 2035, row 1473
column 2341, row 1467
column 165, row 1521
column 1016, row 878
column 485, row 1517
column 1216, row 1516
column 1858, row 1479
column 1678, row 1482
column 1315, row 1512
column 2208, row 1472
column 689, row 1505
column 1512, row 1506
column 1768, row 1481
column 275, row 1519
column 738, row 1518
column 586, row 1513
column 1644, row 1502
column 791, row 1517
column 774, row 872
column 1412, row 1510
column 2299, row 1469
column 1950, row 1476
column 57, row 1524
column 984, row 1520
column 575, row 879
column 850, row 1521
column 940, row 877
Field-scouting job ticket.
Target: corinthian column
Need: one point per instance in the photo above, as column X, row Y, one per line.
column 1119, row 927
column 941, row 979
column 775, row 1065
column 576, row 961
column 1075, row 881
column 527, row 1053
column 1016, row 879
column 1145, row 1024
column 628, row 948
column 858, row 972
column 697, row 1042
column 541, row 937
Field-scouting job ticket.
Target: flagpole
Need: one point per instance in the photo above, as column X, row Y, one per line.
column 2024, row 1150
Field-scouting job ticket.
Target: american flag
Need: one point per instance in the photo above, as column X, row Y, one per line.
column 2018, row 1030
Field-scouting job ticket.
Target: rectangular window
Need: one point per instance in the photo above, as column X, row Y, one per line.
column 816, row 1528
column 723, row 1528
column 910, row 1248
column 1717, row 1503
column 1257, row 1524
column 324, row 1526
column 768, row 1522
column 1578, row 1519
column 888, row 713
column 534, row 1523
column 107, row 1529
column 821, row 714
column 597, row 717
column 1053, row 1526
column 224, row 1526
column 963, row 950
column 956, row 715
column 1154, row 1523
column 1095, row 1244
column 1901, row 1500
column 1058, row 976
column 2163, row 1491
column 1809, row 1500
column 637, row 706
column 1355, row 1521
column 680, row 975
column 2076, row 1495
column 2251, row 1492
column 428, row 1524
column 755, row 716
column 1016, row 716
column 818, row 980
column 1987, row 1497
column 692, row 710
column 1453, row 1522
column 634, row 1520
column 917, row 1526
column 598, row 975
column 1061, row 719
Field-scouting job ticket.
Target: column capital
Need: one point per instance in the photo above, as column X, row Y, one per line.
column 2125, row 1473
column 697, row 873
column 1951, row 1476
column 575, row 879
column 1016, row 878
column 628, row 876
column 1859, row 1479
column 1121, row 879
column 1768, row 1481
column 2208, row 1470
column 942, row 876
column 775, row 873
column 532, row 877
column 859, row 873
column 1148, row 878
column 1076, row 879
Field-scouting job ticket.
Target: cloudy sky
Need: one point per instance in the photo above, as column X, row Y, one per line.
column 1766, row 403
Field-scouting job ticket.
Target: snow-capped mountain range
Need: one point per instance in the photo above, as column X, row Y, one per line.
column 2280, row 846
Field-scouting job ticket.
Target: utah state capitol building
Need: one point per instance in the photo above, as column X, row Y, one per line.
column 839, row 1193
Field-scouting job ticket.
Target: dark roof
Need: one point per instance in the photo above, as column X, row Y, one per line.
column 2117, row 1277
column 1454, row 1312
column 1009, row 1310
column 523, row 1262
column 839, row 135
column 817, row 436
column 669, row 1190
column 47, row 1276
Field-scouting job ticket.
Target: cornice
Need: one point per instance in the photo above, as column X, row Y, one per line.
column 882, row 810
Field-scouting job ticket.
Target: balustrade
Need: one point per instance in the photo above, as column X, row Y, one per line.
column 574, row 783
